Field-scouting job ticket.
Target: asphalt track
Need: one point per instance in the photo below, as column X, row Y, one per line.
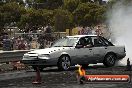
column 52, row 78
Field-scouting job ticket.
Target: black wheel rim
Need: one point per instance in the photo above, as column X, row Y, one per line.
column 111, row 59
column 65, row 63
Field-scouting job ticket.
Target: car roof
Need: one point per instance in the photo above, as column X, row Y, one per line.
column 82, row 36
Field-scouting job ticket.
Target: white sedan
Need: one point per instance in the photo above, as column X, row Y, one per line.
column 72, row 50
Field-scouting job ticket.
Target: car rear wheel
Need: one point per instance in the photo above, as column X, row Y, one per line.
column 64, row 63
column 109, row 60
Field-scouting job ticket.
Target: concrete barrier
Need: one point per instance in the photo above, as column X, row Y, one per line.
column 15, row 55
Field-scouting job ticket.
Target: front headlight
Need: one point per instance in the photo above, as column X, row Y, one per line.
column 44, row 56
column 26, row 56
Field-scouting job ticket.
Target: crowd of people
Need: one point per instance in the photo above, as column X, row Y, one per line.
column 33, row 41
column 26, row 42
column 90, row 31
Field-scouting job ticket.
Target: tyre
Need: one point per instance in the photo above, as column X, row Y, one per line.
column 109, row 60
column 64, row 63
column 40, row 68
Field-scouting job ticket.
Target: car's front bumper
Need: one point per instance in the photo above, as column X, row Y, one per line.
column 44, row 62
column 34, row 62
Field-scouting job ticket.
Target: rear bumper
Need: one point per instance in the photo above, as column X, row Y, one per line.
column 121, row 55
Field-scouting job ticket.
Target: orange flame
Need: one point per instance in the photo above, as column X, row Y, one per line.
column 81, row 71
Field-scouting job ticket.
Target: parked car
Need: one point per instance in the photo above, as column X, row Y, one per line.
column 72, row 50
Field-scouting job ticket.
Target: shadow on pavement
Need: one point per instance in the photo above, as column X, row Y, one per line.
column 73, row 68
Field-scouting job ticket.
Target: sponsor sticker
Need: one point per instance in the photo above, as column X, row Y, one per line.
column 107, row 78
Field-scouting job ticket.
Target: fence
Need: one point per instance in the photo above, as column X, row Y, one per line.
column 10, row 56
column 26, row 41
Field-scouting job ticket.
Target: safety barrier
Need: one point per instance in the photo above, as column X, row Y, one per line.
column 9, row 56
column 11, row 60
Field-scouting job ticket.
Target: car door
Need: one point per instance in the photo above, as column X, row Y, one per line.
column 84, row 54
column 99, row 49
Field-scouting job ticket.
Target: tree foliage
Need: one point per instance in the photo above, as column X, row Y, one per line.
column 60, row 14
column 88, row 14
column 63, row 20
column 71, row 5
column 37, row 18
column 10, row 13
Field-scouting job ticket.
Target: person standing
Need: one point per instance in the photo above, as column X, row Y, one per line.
column 98, row 31
column 7, row 44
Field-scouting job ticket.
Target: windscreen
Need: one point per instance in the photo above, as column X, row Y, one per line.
column 65, row 42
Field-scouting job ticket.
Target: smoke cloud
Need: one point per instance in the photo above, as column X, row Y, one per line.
column 120, row 22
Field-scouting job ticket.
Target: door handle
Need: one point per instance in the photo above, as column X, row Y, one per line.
column 105, row 48
column 90, row 49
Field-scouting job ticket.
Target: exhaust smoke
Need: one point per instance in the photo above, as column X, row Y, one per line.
column 120, row 23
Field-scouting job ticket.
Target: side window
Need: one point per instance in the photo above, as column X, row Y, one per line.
column 82, row 41
column 85, row 41
column 89, row 41
column 106, row 42
column 98, row 42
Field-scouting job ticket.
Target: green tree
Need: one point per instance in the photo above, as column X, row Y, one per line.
column 80, row 12
column 1, row 22
column 71, row 5
column 63, row 20
column 10, row 13
column 66, row 13
column 40, row 1
column 101, row 14
column 54, row 4
column 88, row 14
column 37, row 18
column 85, row 1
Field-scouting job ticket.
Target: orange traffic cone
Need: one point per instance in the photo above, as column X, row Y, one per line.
column 38, row 78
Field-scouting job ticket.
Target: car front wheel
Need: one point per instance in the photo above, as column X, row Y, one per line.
column 109, row 60
column 64, row 63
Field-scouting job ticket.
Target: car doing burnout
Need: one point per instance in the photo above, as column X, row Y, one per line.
column 78, row 49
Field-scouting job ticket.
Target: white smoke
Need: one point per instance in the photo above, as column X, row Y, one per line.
column 120, row 22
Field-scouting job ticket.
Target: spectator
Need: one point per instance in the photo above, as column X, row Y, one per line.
column 88, row 31
column 48, row 32
column 41, row 41
column 7, row 43
column 21, row 45
column 83, row 31
column 98, row 31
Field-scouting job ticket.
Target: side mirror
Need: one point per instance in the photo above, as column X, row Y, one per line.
column 79, row 46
